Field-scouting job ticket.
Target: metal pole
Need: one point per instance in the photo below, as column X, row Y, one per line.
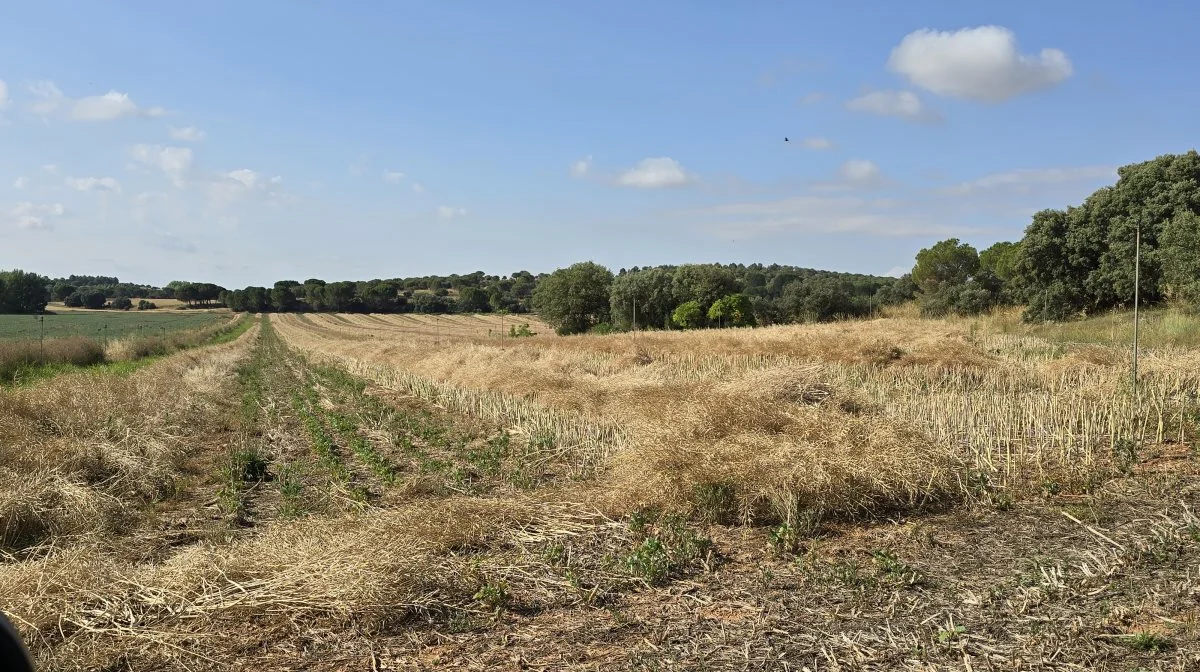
column 1137, row 274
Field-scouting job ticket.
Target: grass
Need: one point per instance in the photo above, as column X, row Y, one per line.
column 27, row 362
column 885, row 494
column 104, row 325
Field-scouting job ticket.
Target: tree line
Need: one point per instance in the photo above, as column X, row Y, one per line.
column 1081, row 260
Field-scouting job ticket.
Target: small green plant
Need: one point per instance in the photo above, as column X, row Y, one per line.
column 785, row 539
column 650, row 561
column 494, row 596
column 896, row 568
column 1149, row 642
column 520, row 331
column 950, row 634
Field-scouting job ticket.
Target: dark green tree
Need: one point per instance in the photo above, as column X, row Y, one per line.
column 734, row 310
column 948, row 262
column 574, row 299
column 649, row 291
column 704, row 284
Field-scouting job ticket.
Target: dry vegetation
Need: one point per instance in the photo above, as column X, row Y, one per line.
column 393, row 492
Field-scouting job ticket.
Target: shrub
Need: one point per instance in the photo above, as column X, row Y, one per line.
column 120, row 303
column 143, row 304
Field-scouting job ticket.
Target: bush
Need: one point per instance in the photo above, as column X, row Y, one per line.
column 146, row 305
column 120, row 303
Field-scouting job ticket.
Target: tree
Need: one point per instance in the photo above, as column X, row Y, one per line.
column 121, row 303
column 688, row 315
column 649, row 291
column 946, row 263
column 819, row 298
column 22, row 292
column 283, row 299
column 734, row 310
column 473, row 300
column 143, row 304
column 62, row 290
column 93, row 299
column 703, row 283
column 1179, row 250
column 574, row 299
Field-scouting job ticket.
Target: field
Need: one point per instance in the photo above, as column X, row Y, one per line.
column 335, row 492
column 105, row 324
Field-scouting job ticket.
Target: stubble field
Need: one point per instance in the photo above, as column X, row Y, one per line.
column 407, row 492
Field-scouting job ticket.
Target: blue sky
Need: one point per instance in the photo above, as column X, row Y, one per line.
column 244, row 142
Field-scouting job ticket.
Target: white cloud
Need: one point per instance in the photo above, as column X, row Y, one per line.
column 813, row 98
column 28, row 215
column 107, row 107
column 903, row 104
column 235, row 185
column 982, row 64
column 21, row 183
column 50, row 168
column 94, row 184
column 817, row 143
column 247, row 177
column 655, row 173
column 417, row 188
column 392, row 177
column 582, row 167
column 174, row 162
column 1025, row 180
column 48, row 95
column 4, row 99
column 897, row 271
column 860, row 171
column 187, row 134
column 449, row 212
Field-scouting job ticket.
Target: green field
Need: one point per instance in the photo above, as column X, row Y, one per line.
column 103, row 325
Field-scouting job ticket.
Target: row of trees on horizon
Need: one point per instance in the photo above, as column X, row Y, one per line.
column 1070, row 262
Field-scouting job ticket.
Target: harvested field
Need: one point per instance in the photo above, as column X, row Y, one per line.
column 333, row 492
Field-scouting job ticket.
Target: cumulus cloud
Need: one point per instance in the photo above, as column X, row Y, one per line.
column 902, row 104
column 106, row 107
column 392, row 177
column 21, row 183
column 817, row 143
column 655, row 173
column 417, row 188
column 982, row 64
column 582, row 167
column 174, row 162
column 27, row 215
column 450, row 212
column 860, row 171
column 94, row 184
column 187, row 134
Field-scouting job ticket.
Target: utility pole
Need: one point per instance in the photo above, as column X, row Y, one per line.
column 42, row 336
column 635, row 314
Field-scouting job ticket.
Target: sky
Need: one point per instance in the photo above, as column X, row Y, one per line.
column 246, row 142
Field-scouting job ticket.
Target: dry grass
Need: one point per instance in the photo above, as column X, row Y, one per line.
column 19, row 356
column 802, row 460
column 82, row 451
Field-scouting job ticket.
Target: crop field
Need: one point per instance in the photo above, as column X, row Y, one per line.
column 105, row 324
column 407, row 492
